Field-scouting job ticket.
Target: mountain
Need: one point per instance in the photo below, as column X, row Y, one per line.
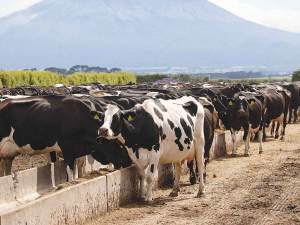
column 140, row 33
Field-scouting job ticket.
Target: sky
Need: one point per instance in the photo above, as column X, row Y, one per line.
column 280, row 14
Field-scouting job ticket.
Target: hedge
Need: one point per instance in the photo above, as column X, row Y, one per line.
column 46, row 78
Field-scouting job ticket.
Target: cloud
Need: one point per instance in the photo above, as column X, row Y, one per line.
column 9, row 8
column 283, row 19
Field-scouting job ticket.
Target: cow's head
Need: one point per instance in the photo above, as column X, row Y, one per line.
column 239, row 107
column 135, row 126
column 113, row 120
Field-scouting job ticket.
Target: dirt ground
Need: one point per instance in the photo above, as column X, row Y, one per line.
column 21, row 162
column 260, row 189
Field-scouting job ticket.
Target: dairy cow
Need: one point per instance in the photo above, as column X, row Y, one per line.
column 245, row 112
column 210, row 123
column 38, row 125
column 158, row 131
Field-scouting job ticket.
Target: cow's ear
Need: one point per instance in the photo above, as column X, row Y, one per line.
column 129, row 116
column 230, row 101
column 251, row 101
column 214, row 99
column 95, row 115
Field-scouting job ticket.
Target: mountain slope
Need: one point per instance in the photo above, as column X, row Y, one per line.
column 140, row 33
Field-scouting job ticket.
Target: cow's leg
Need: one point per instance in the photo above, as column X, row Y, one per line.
column 277, row 130
column 150, row 175
column 71, row 173
column 295, row 115
column 190, row 165
column 91, row 161
column 260, row 141
column 2, row 167
column 31, row 161
column 247, row 144
column 176, row 186
column 233, row 136
column 8, row 168
column 199, row 143
column 290, row 114
column 141, row 175
column 273, row 129
column 81, row 163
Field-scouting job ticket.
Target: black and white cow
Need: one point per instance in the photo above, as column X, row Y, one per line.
column 158, row 131
column 210, row 123
column 39, row 125
column 245, row 112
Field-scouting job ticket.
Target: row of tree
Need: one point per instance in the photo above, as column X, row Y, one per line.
column 181, row 77
column 46, row 78
column 79, row 69
column 296, row 75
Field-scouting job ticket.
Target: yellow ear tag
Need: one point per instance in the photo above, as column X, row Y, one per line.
column 246, row 89
column 214, row 99
column 96, row 117
column 232, row 89
column 230, row 103
column 252, row 103
column 129, row 118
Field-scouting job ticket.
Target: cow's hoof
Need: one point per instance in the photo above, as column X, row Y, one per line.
column 149, row 202
column 142, row 199
column 260, row 152
column 276, row 136
column 233, row 155
column 173, row 194
column 193, row 180
column 282, row 138
column 200, row 194
column 246, row 155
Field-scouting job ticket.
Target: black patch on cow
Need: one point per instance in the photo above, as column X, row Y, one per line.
column 158, row 114
column 164, row 137
column 191, row 108
column 187, row 141
column 137, row 154
column 156, row 147
column 160, row 131
column 158, row 103
column 187, row 129
column 178, row 135
column 171, row 124
column 142, row 131
column 190, row 120
column 152, row 168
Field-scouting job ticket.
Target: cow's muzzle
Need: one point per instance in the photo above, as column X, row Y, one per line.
column 103, row 132
column 241, row 114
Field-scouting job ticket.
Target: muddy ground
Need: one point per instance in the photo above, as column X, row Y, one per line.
column 260, row 189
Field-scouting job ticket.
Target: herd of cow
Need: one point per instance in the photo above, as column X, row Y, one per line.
column 146, row 124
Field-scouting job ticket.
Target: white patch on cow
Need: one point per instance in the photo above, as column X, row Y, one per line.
column 108, row 118
column 9, row 149
column 241, row 97
column 80, row 95
column 152, row 94
column 59, row 85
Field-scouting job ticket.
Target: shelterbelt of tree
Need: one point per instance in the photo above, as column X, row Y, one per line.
column 45, row 78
